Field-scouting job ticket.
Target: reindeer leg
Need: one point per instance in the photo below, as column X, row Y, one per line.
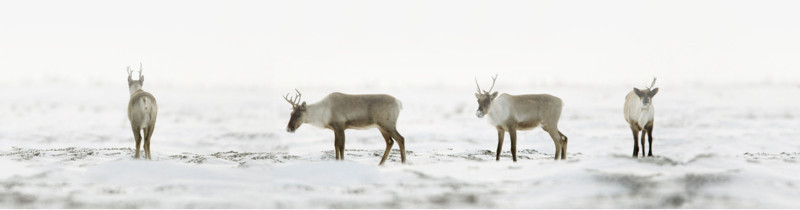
column 147, row 149
column 338, row 139
column 650, row 139
column 512, row 132
column 401, row 142
column 563, row 145
column 500, row 135
column 336, row 149
column 341, row 146
column 557, row 141
column 635, row 142
column 386, row 136
column 146, row 143
column 138, row 138
column 644, row 132
column 336, row 144
column 564, row 141
column 147, row 140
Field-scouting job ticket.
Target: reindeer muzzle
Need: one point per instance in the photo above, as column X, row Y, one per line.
column 479, row 113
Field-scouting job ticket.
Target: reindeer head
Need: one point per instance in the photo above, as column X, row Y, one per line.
column 646, row 95
column 485, row 99
column 298, row 112
column 135, row 85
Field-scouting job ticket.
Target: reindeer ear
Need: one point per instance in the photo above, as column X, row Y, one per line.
column 653, row 92
column 477, row 95
column 638, row 92
column 303, row 105
column 494, row 95
column 141, row 79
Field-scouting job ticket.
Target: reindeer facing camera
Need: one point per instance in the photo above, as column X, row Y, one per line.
column 640, row 113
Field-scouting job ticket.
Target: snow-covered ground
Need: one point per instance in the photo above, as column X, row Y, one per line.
column 721, row 146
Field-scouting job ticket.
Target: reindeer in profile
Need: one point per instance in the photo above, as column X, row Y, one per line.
column 142, row 111
column 339, row 111
column 510, row 113
column 640, row 113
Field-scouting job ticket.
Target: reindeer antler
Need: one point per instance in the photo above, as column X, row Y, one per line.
column 130, row 72
column 286, row 97
column 653, row 84
column 294, row 101
column 299, row 95
column 494, row 79
column 140, row 70
column 476, row 84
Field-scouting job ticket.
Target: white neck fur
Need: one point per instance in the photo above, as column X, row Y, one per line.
column 498, row 110
column 317, row 114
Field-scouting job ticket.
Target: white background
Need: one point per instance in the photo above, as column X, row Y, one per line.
column 726, row 120
column 400, row 43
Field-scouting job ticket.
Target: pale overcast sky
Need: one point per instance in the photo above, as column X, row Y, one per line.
column 301, row 43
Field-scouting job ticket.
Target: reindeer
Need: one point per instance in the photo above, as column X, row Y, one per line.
column 639, row 113
column 142, row 111
column 509, row 113
column 339, row 111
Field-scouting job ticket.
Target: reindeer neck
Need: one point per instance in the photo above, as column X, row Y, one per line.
column 317, row 114
column 498, row 110
column 136, row 91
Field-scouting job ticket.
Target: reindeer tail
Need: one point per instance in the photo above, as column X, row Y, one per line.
column 399, row 104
